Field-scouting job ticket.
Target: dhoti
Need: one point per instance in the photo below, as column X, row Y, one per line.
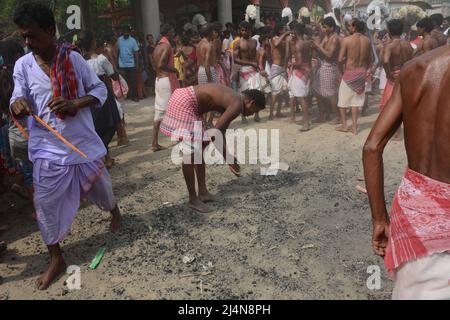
column 163, row 91
column 58, row 190
column 203, row 77
column 278, row 79
column 417, row 251
column 249, row 78
column 299, row 83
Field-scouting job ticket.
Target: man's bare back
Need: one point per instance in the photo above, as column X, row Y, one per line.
column 357, row 51
column 161, row 58
column 206, row 53
column 425, row 100
column 429, row 43
column 395, row 54
column 217, row 98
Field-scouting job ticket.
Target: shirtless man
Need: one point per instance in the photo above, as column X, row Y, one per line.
column 184, row 122
column 278, row 73
column 393, row 56
column 166, row 79
column 326, row 82
column 356, row 53
column 299, row 81
column 244, row 54
column 415, row 239
column 206, row 57
column 206, row 60
column 425, row 27
column 263, row 57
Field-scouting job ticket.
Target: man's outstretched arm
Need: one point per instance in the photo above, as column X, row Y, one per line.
column 387, row 124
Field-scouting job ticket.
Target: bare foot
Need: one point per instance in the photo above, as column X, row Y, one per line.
column 341, row 129
column 56, row 268
column 319, row 120
column 280, row 115
column 334, row 122
column 116, row 221
column 124, row 142
column 110, row 163
column 271, row 117
column 257, row 118
column 199, row 206
column 207, row 198
column 355, row 131
column 305, row 128
column 157, row 148
column 293, row 121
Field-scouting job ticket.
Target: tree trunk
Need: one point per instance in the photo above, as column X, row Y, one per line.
column 86, row 15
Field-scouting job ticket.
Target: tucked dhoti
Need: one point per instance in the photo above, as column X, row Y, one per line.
column 326, row 80
column 388, row 90
column 278, row 79
column 203, row 77
column 420, row 234
column 163, row 91
column 223, row 74
column 352, row 88
column 58, row 190
column 249, row 78
column 183, row 120
column 299, row 83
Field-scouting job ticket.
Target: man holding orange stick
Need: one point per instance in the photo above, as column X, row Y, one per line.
column 54, row 84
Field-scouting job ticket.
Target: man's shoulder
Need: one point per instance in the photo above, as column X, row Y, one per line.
column 24, row 60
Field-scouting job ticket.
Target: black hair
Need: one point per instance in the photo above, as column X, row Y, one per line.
column 359, row 25
column 299, row 28
column 426, row 23
column 185, row 40
column 437, row 19
column 29, row 13
column 257, row 96
column 165, row 29
column 278, row 28
column 217, row 27
column 207, row 30
column 329, row 22
column 229, row 24
column 245, row 25
column 85, row 38
column 9, row 52
column 395, row 27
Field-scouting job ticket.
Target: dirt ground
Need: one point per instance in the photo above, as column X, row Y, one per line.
column 303, row 234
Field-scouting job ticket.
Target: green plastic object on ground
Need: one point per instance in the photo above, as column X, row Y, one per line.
column 98, row 258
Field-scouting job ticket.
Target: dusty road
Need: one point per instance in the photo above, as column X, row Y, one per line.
column 303, row 234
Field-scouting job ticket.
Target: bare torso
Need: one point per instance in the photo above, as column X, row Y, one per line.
column 300, row 52
column 217, row 98
column 398, row 53
column 161, row 58
column 429, row 43
column 246, row 51
column 206, row 56
column 357, row 51
column 279, row 52
column 426, row 113
column 328, row 43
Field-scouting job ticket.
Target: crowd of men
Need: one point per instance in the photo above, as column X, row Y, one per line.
column 60, row 110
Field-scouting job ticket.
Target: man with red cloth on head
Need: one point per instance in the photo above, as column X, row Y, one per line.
column 166, row 79
column 356, row 53
column 415, row 239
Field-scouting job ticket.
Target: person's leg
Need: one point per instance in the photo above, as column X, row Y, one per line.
column 155, row 144
column 56, row 268
column 203, row 193
column 355, row 112
column 321, row 103
column 293, row 102
column 335, row 110
column 281, row 97
column 122, row 137
column 189, row 177
column 272, row 105
column 305, row 108
column 343, row 127
column 132, row 74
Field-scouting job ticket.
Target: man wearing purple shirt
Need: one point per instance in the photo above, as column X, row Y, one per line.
column 61, row 176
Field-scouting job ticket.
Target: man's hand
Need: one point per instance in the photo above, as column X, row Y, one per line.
column 380, row 238
column 62, row 106
column 21, row 107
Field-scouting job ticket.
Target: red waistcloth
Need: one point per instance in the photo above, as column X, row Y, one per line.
column 304, row 72
column 63, row 77
column 420, row 220
column 388, row 90
column 356, row 79
column 174, row 83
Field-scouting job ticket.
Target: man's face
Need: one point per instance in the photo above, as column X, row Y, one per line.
column 126, row 33
column 245, row 33
column 215, row 35
column 351, row 27
column 250, row 107
column 150, row 40
column 37, row 40
column 446, row 24
column 171, row 34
